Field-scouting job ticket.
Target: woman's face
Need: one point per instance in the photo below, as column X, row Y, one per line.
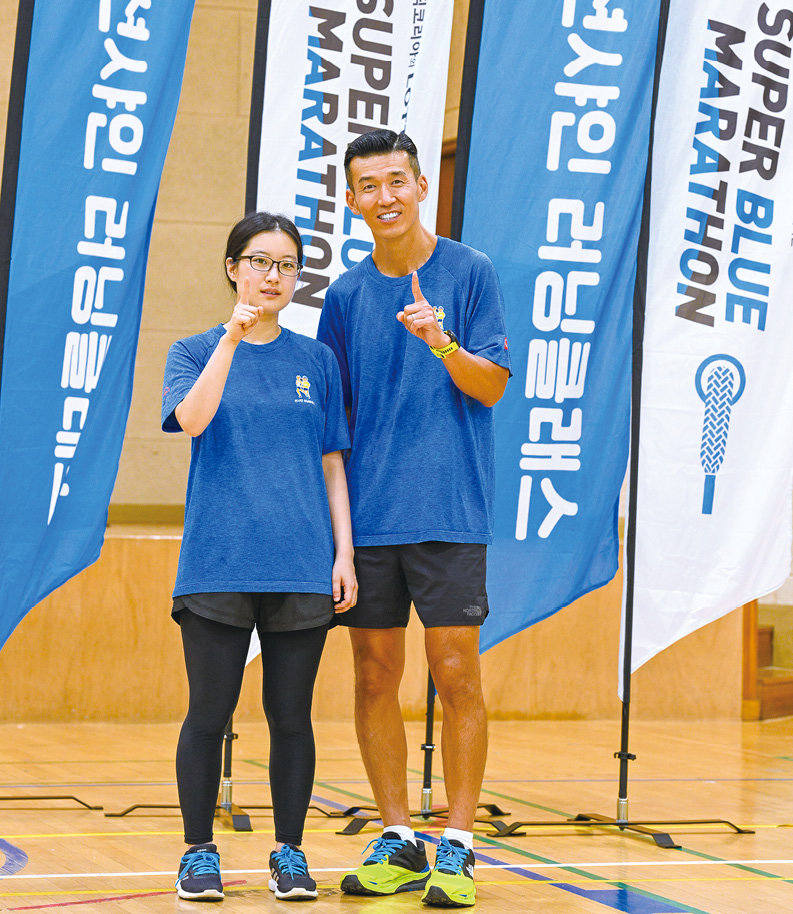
column 271, row 289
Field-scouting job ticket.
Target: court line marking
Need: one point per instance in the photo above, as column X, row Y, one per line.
column 119, row 896
column 479, row 866
column 414, row 780
column 242, row 885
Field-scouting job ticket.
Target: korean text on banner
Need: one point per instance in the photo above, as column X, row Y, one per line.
column 103, row 82
column 554, row 195
column 713, row 502
column 333, row 71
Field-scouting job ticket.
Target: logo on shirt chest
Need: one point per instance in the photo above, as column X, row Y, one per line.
column 303, row 388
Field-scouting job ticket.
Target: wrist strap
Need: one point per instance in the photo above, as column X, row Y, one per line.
column 442, row 351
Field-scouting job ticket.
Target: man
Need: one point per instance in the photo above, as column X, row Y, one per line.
column 418, row 329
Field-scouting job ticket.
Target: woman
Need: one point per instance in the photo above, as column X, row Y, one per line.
column 267, row 541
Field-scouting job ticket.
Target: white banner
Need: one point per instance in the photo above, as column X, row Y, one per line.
column 715, row 452
column 335, row 69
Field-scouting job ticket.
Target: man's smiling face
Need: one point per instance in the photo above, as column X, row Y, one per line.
column 386, row 193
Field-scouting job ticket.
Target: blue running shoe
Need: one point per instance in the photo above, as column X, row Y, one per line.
column 289, row 877
column 199, row 874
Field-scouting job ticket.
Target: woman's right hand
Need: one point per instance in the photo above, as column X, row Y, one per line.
column 244, row 317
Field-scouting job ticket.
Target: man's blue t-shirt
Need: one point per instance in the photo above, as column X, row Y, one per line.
column 256, row 512
column 421, row 463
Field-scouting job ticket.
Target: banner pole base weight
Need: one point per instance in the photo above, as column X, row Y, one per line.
column 596, row 820
column 426, row 802
column 233, row 816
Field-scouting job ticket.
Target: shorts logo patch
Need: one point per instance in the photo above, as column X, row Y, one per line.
column 303, row 388
column 472, row 610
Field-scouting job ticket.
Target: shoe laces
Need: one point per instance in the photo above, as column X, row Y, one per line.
column 382, row 848
column 291, row 861
column 201, row 863
column 449, row 858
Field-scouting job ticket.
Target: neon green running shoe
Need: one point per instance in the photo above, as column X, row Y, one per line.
column 395, row 865
column 451, row 884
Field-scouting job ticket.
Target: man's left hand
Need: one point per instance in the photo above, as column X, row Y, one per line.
column 419, row 319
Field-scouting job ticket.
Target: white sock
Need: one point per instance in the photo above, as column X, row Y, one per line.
column 466, row 838
column 405, row 832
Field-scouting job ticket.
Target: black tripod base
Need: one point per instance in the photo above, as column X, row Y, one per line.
column 358, row 822
column 232, row 816
column 129, row 809
column 596, row 820
column 38, row 798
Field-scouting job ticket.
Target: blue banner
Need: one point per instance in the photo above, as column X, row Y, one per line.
column 101, row 83
column 554, row 190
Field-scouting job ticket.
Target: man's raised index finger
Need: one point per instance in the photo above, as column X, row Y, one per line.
column 417, row 296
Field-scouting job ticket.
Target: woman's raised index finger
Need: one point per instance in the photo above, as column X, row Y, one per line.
column 244, row 292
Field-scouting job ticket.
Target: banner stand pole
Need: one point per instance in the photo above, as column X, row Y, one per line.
column 227, row 811
column 426, row 811
column 428, row 747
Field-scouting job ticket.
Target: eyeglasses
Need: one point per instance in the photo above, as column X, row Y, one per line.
column 263, row 264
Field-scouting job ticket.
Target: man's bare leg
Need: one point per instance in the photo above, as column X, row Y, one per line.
column 453, row 656
column 379, row 656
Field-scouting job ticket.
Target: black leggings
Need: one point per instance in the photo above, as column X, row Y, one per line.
column 215, row 659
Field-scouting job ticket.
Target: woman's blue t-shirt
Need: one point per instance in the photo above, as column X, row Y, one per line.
column 256, row 511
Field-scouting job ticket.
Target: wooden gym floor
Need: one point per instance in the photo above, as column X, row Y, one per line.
column 61, row 855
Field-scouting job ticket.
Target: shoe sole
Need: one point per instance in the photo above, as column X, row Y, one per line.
column 294, row 894
column 436, row 896
column 352, row 885
column 208, row 895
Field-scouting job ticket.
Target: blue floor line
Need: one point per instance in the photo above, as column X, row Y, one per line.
column 15, row 859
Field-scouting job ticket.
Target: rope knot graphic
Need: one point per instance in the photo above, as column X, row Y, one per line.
column 720, row 382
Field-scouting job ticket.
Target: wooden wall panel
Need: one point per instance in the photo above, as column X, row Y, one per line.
column 103, row 647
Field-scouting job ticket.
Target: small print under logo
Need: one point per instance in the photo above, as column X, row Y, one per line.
column 439, row 315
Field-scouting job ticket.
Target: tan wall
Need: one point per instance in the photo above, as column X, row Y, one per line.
column 103, row 647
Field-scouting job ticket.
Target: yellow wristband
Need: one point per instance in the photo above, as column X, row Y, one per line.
column 442, row 351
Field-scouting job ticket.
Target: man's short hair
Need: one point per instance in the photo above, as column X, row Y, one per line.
column 381, row 142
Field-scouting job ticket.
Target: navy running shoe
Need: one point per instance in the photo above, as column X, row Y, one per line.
column 289, row 877
column 199, row 874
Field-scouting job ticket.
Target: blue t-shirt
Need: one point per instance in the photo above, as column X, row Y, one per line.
column 421, row 463
column 256, row 512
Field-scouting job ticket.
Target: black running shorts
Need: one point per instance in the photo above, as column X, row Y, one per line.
column 444, row 581
column 268, row 612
